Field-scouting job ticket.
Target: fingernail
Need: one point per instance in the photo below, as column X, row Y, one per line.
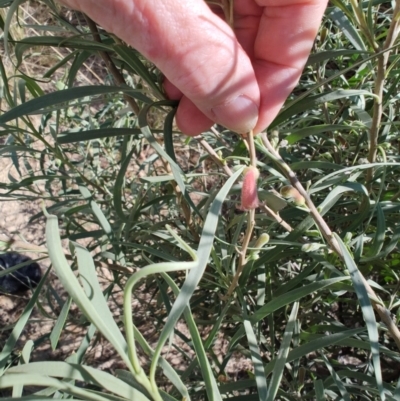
column 239, row 115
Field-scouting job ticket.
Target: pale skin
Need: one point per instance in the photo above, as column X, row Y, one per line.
column 239, row 79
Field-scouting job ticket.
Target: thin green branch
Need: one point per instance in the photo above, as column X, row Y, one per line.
column 275, row 216
column 362, row 23
column 166, row 267
column 213, row 154
column 250, row 222
column 381, row 70
column 243, row 252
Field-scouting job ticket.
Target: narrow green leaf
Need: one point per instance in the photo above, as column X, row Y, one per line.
column 388, row 249
column 58, row 327
column 301, row 133
column 345, row 25
column 168, row 139
column 309, row 102
column 168, row 370
column 81, row 136
column 58, row 65
column 27, row 376
column 320, row 165
column 336, row 379
column 319, row 390
column 342, row 173
column 7, row 23
column 292, row 296
column 119, row 185
column 102, row 219
column 283, row 353
column 77, row 42
column 259, row 373
column 49, row 100
column 27, row 351
column 315, row 345
column 128, row 56
column 176, row 170
column 19, row 326
column 379, row 237
column 195, row 275
column 331, row 54
column 367, row 310
column 71, row 284
column 207, row 373
column 76, row 66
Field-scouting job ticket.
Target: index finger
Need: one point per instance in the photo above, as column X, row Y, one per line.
column 285, row 36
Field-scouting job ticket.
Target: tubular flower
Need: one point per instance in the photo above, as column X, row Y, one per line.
column 249, row 188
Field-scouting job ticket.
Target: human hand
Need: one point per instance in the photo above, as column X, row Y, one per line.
column 237, row 79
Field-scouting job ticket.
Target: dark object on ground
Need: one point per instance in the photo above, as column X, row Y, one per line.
column 20, row 280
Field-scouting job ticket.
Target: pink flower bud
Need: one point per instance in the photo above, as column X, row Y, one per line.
column 249, row 188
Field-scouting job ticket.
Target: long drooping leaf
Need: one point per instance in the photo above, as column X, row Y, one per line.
column 48, row 101
column 71, row 284
column 195, row 275
column 257, row 362
column 293, row 296
column 368, row 312
column 85, row 374
column 282, row 354
column 316, row 345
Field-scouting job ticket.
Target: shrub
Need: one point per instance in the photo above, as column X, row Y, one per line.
column 292, row 285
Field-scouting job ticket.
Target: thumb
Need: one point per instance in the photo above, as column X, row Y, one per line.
column 196, row 50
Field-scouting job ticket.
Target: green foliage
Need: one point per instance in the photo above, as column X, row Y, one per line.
column 127, row 193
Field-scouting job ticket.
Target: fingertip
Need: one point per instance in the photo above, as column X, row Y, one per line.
column 190, row 120
column 239, row 115
column 171, row 90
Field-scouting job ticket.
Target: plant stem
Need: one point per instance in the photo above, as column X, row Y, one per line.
column 361, row 22
column 243, row 252
column 276, row 217
column 213, row 154
column 383, row 313
column 252, row 149
column 250, row 222
column 119, row 79
column 383, row 59
column 228, row 171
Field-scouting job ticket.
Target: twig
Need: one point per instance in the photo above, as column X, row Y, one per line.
column 383, row 59
column 383, row 313
column 187, row 213
column 362, row 23
column 219, row 137
column 252, row 149
column 242, row 252
column 296, row 184
column 119, row 79
column 250, row 223
column 228, row 171
column 213, row 154
column 276, row 217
